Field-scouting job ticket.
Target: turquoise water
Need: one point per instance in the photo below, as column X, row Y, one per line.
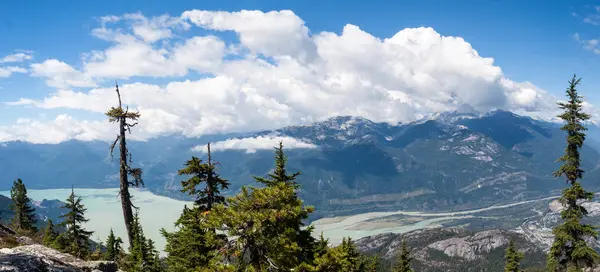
column 104, row 211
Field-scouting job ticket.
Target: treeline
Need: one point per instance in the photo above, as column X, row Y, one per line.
column 262, row 228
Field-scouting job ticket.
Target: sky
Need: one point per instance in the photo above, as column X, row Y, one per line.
column 204, row 67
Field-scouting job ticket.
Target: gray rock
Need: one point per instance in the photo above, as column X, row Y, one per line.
column 35, row 257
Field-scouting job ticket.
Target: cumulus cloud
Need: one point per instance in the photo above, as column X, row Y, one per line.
column 278, row 74
column 17, row 57
column 8, row 71
column 62, row 128
column 251, row 145
column 60, row 75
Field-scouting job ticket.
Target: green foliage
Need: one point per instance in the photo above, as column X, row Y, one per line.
column 403, row 260
column 193, row 245
column 266, row 224
column 50, row 234
column 190, row 247
column 75, row 239
column 113, row 247
column 513, row 258
column 280, row 172
column 143, row 256
column 203, row 173
column 24, row 215
column 344, row 258
column 569, row 250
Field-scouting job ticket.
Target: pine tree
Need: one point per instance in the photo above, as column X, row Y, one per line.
column 569, row 250
column 203, row 173
column 267, row 224
column 403, row 260
column 24, row 217
column 50, row 234
column 189, row 247
column 76, row 238
column 122, row 117
column 113, row 247
column 513, row 258
column 141, row 252
column 280, row 173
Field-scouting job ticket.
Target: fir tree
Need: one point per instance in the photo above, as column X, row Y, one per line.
column 24, row 217
column 403, row 260
column 267, row 224
column 342, row 258
column 142, row 251
column 203, row 173
column 123, row 117
column 569, row 250
column 113, row 247
column 513, row 258
column 280, row 173
column 75, row 238
column 50, row 234
column 189, row 247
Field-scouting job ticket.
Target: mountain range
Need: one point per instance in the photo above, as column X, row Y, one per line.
column 448, row 161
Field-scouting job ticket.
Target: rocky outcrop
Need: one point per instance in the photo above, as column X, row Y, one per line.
column 453, row 249
column 35, row 257
column 473, row 246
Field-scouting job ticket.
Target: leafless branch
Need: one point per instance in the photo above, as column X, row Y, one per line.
column 112, row 146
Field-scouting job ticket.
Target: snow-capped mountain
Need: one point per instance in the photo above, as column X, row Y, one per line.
column 451, row 160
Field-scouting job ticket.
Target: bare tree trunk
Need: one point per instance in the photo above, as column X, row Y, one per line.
column 124, row 186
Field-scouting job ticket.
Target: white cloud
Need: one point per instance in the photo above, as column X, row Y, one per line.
column 592, row 45
column 17, row 57
column 60, row 75
column 8, row 71
column 251, row 145
column 280, row 74
column 62, row 128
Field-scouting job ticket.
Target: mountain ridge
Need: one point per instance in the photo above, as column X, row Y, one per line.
column 454, row 160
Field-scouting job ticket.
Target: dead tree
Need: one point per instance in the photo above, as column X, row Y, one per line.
column 123, row 117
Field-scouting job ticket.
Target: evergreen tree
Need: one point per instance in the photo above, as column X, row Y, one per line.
column 280, row 173
column 403, row 260
column 50, row 234
column 142, row 251
column 189, row 247
column 267, row 224
column 113, row 247
column 569, row 250
column 123, row 117
column 513, row 258
column 75, row 238
column 342, row 258
column 24, row 217
column 203, row 173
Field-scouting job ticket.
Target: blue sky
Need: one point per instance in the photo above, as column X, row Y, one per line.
column 529, row 40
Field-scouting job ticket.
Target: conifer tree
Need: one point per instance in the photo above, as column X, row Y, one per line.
column 267, row 224
column 24, row 217
column 403, row 260
column 342, row 258
column 122, row 117
column 141, row 252
column 113, row 247
column 203, row 173
column 279, row 175
column 570, row 250
column 75, row 237
column 50, row 234
column 188, row 247
column 513, row 258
